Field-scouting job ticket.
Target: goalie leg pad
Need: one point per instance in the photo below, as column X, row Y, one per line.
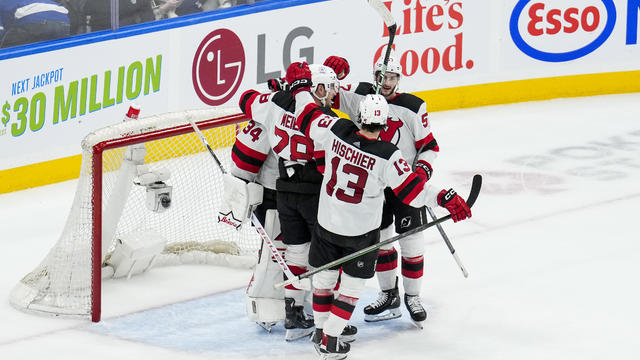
column 265, row 303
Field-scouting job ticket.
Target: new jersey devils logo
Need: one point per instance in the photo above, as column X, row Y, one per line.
column 218, row 67
column 391, row 133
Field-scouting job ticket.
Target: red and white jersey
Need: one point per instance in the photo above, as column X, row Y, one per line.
column 252, row 157
column 357, row 170
column 408, row 124
column 275, row 112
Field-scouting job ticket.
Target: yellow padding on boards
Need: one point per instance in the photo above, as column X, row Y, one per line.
column 437, row 100
column 68, row 168
column 39, row 174
column 531, row 90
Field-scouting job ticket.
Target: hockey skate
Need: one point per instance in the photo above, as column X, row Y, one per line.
column 331, row 347
column 386, row 307
column 416, row 310
column 296, row 323
column 348, row 335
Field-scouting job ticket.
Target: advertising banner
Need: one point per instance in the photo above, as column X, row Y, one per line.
column 50, row 100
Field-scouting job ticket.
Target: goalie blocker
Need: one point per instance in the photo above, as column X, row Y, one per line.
column 239, row 200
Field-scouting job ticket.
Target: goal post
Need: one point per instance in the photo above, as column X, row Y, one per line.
column 147, row 195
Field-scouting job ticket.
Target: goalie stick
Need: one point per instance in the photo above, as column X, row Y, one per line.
column 391, row 27
column 473, row 195
column 256, row 223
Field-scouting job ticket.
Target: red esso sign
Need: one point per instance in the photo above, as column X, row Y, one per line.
column 545, row 19
column 218, row 67
column 552, row 30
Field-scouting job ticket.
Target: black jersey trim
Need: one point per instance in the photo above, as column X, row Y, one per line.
column 364, row 88
column 409, row 188
column 245, row 98
column 246, row 157
column 307, row 119
column 408, row 101
column 285, row 100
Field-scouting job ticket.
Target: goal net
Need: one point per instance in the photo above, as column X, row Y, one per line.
column 147, row 195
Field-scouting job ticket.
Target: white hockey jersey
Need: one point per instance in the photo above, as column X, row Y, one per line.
column 252, row 157
column 275, row 111
column 357, row 170
column 408, row 124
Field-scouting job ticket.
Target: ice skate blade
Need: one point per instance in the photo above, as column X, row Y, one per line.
column 387, row 315
column 295, row 334
column 267, row 325
column 347, row 338
column 327, row 356
column 418, row 324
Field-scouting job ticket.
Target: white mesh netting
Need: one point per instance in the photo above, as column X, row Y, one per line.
column 61, row 284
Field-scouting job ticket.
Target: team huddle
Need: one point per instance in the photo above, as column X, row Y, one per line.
column 332, row 187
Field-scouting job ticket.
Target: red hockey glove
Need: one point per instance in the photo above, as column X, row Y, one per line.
column 276, row 84
column 424, row 170
column 299, row 77
column 455, row 204
column 339, row 65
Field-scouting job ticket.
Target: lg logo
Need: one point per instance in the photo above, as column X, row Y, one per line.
column 218, row 67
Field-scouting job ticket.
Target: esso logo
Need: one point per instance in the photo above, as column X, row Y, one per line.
column 218, row 67
column 556, row 31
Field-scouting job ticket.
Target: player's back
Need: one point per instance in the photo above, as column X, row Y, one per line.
column 356, row 172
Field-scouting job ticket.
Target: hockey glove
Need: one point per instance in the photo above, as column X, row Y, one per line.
column 455, row 204
column 276, row 84
column 299, row 77
column 424, row 170
column 339, row 65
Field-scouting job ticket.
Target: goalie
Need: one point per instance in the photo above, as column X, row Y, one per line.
column 250, row 188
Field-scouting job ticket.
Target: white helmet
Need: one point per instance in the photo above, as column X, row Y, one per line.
column 374, row 110
column 393, row 66
column 324, row 75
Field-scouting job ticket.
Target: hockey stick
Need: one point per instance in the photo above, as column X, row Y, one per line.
column 448, row 242
column 473, row 195
column 441, row 230
column 261, row 231
column 392, row 27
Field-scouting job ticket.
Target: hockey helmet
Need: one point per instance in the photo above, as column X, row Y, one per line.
column 393, row 66
column 324, row 75
column 374, row 110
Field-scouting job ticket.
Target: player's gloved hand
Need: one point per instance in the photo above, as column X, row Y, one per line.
column 339, row 64
column 276, row 84
column 424, row 170
column 455, row 204
column 299, row 77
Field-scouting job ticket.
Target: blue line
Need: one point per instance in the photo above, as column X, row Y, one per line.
column 150, row 27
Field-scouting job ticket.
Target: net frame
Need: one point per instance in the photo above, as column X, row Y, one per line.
column 94, row 146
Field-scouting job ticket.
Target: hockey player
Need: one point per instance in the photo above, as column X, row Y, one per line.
column 254, row 161
column 409, row 129
column 298, row 183
column 358, row 168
